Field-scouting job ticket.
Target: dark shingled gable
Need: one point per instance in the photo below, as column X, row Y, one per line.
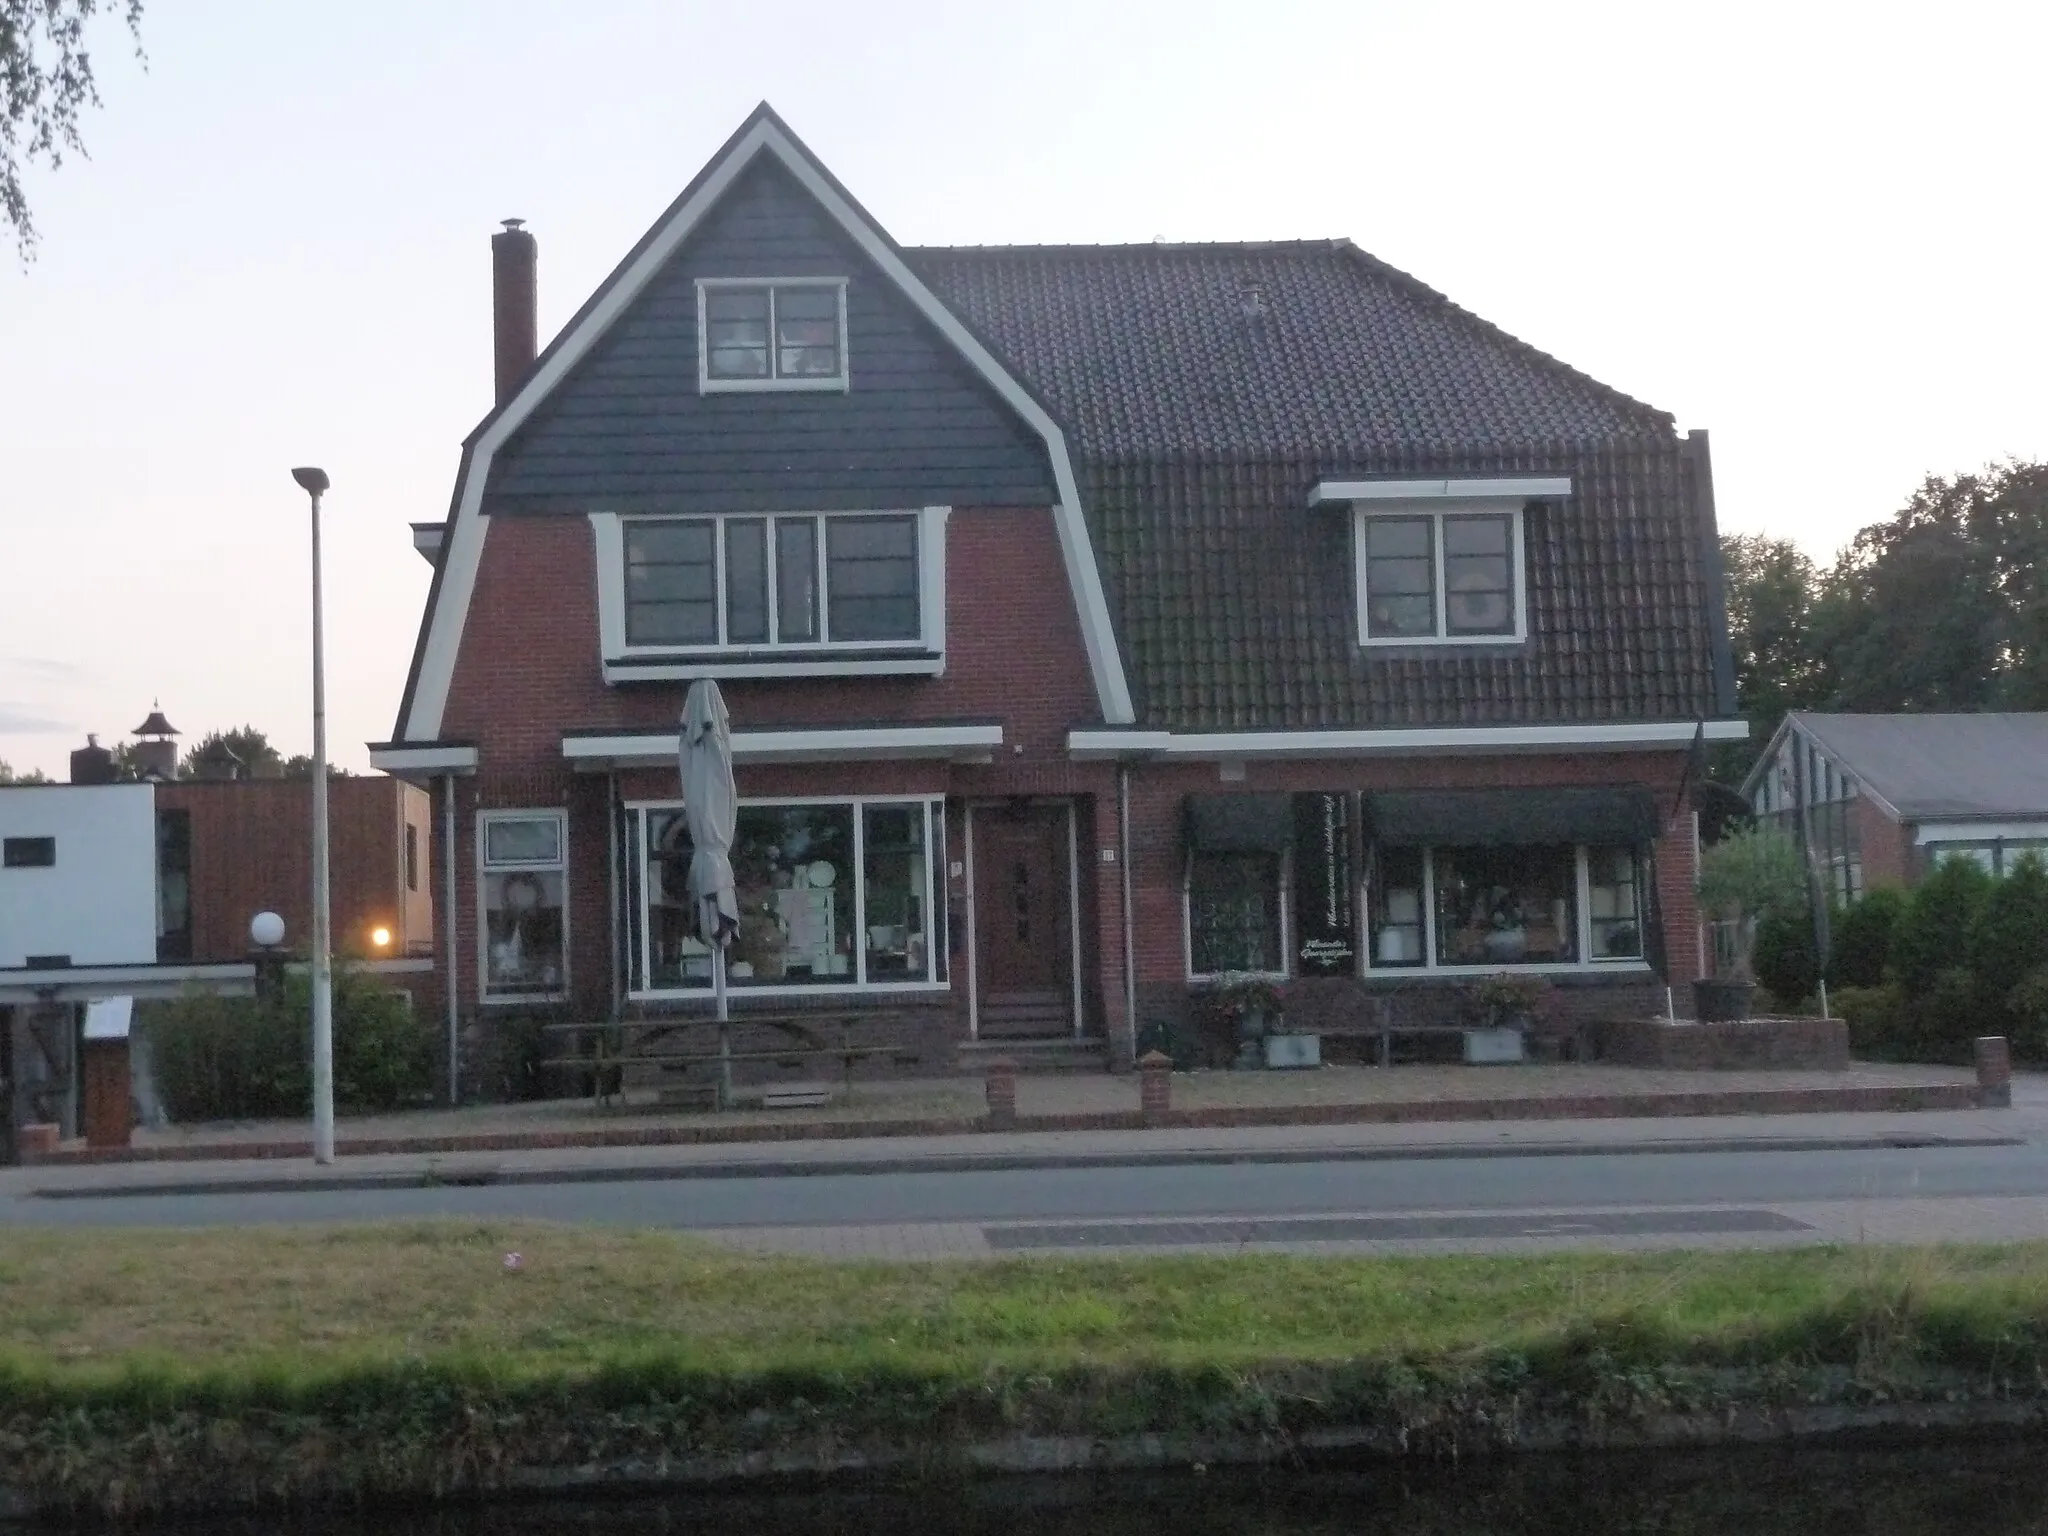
column 1200, row 417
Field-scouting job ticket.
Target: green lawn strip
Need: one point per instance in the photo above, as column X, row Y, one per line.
column 410, row 1359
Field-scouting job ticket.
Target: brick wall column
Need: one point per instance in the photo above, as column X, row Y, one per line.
column 1099, row 840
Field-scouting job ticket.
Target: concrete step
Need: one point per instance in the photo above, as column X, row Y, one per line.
column 1045, row 1054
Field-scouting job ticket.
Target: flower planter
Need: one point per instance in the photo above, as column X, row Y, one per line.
column 1722, row 1002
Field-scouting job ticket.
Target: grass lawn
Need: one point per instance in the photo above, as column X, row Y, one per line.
column 77, row 1305
column 405, row 1359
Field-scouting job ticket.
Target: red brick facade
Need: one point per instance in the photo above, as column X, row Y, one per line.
column 528, row 670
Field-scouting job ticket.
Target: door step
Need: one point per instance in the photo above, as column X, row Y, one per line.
column 1087, row 1054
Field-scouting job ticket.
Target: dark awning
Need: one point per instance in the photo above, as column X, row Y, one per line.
column 1464, row 817
column 1239, row 823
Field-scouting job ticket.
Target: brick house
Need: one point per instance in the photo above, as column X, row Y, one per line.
column 1094, row 621
column 1879, row 798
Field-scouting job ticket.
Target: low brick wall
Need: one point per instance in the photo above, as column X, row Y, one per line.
column 1816, row 1044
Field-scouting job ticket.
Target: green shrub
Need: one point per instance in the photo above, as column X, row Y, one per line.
column 2009, row 938
column 1879, row 1028
column 227, row 1058
column 1934, row 932
column 1787, row 961
column 2026, row 1008
column 244, row 1058
column 1860, row 939
column 1948, row 1016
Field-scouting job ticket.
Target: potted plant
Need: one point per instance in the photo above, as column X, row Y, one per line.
column 1744, row 879
column 1509, row 1002
column 1251, row 1003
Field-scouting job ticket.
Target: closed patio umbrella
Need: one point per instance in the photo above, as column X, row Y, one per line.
column 711, row 805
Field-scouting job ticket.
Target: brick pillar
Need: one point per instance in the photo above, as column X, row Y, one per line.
column 1001, row 1092
column 1994, row 1072
column 1155, row 1087
column 36, row 1140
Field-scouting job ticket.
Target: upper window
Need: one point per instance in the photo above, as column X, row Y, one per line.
column 771, row 335
column 29, row 852
column 809, row 580
column 1435, row 577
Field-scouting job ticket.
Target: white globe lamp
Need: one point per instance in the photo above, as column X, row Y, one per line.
column 266, row 930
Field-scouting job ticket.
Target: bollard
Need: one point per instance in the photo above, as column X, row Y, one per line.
column 1155, row 1087
column 1001, row 1092
column 1994, row 1072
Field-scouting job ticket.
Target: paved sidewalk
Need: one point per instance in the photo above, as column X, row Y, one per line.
column 2027, row 1121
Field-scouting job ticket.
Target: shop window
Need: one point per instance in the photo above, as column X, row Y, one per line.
column 1395, row 903
column 831, row 894
column 1234, row 917
column 1505, row 906
column 524, row 887
column 1614, row 904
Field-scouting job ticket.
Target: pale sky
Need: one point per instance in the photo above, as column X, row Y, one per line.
column 1816, row 230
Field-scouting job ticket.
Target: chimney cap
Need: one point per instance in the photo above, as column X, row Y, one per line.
column 513, row 224
column 157, row 725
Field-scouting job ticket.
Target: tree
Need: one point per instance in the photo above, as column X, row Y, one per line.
column 1943, row 607
column 259, row 759
column 2009, row 939
column 33, row 776
column 1771, row 588
column 46, row 80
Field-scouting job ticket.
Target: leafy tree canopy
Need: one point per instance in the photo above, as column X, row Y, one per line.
column 32, row 776
column 46, row 81
column 1942, row 606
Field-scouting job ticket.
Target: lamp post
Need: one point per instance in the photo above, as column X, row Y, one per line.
column 313, row 482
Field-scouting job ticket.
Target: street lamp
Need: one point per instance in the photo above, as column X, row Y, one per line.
column 313, row 482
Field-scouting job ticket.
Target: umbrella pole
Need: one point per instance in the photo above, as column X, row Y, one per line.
column 724, row 1031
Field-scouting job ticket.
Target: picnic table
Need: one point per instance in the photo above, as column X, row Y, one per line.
column 610, row 1048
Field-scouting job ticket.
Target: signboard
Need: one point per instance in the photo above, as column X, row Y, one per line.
column 1325, row 921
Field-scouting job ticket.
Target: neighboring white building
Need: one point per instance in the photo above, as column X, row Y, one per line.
column 78, row 883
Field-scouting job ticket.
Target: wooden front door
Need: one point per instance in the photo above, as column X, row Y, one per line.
column 1023, row 920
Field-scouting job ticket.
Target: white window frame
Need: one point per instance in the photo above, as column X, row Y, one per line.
column 486, row 867
column 859, row 985
column 1514, row 509
column 839, row 383
column 1187, row 924
column 772, row 657
column 1582, row 923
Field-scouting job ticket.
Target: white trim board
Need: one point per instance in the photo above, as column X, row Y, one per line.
column 72, row 983
column 1936, row 832
column 1529, row 488
column 1088, row 746
column 657, row 749
column 463, row 551
column 396, row 759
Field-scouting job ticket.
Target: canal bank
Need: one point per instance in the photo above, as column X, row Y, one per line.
column 160, row 1372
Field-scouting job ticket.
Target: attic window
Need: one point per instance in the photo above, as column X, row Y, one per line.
column 774, row 334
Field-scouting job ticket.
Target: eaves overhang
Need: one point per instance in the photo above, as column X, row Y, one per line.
column 1099, row 744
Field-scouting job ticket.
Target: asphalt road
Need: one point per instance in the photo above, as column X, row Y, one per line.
column 1610, row 1182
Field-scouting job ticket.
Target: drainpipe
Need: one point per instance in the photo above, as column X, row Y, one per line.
column 618, row 926
column 451, row 948
column 1123, row 855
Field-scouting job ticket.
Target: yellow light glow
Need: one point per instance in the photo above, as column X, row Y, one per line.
column 380, row 937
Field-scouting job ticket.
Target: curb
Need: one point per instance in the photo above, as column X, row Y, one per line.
column 1632, row 1106
column 1001, row 1162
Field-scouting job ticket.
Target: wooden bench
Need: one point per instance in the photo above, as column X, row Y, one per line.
column 617, row 1045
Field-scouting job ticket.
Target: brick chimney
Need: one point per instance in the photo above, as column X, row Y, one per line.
column 515, row 261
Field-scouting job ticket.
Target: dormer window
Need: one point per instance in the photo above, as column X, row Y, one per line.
column 1430, row 576
column 1441, row 562
column 774, row 334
